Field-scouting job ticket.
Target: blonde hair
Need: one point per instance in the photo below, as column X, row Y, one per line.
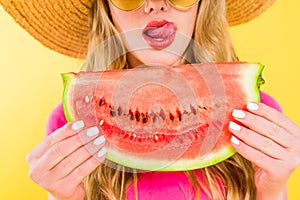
column 231, row 179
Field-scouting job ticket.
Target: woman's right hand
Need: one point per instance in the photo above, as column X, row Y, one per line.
column 63, row 159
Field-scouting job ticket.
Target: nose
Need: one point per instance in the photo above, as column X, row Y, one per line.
column 154, row 6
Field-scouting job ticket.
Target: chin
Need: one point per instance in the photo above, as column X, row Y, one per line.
column 156, row 57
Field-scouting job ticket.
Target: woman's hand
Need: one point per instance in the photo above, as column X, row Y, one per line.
column 61, row 161
column 271, row 141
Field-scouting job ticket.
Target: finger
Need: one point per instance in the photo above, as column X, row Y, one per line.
column 258, row 158
column 66, row 166
column 257, row 141
column 264, row 127
column 56, row 153
column 68, row 130
column 79, row 173
column 274, row 116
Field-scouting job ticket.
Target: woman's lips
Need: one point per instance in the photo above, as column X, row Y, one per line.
column 159, row 34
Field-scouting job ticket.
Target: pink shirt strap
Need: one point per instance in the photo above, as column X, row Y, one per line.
column 55, row 120
column 270, row 101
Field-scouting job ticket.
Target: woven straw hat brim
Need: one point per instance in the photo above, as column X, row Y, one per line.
column 62, row 25
column 242, row 11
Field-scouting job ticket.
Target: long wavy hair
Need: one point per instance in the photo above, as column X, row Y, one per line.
column 211, row 43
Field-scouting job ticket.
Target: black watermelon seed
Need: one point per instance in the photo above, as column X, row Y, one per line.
column 100, row 102
column 119, row 111
column 154, row 118
column 162, row 114
column 113, row 113
column 193, row 110
column 145, row 120
column 131, row 114
column 171, row 117
column 179, row 114
column 137, row 116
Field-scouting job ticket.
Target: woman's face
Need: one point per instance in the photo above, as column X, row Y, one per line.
column 156, row 32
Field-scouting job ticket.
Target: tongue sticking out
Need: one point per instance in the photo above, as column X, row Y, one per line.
column 159, row 34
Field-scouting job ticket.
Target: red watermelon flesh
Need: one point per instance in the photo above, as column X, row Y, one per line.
column 163, row 118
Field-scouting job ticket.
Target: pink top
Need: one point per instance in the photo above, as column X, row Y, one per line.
column 153, row 185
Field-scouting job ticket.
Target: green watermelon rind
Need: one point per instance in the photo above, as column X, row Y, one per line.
column 68, row 78
column 252, row 83
column 177, row 165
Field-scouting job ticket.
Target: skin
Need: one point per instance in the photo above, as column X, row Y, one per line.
column 60, row 162
column 150, row 11
column 267, row 138
column 270, row 140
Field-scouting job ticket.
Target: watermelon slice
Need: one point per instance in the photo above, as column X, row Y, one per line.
column 163, row 118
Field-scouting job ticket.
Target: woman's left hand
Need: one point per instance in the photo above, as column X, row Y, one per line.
column 271, row 141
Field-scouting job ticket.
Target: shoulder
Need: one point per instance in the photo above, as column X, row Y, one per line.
column 270, row 101
column 55, row 120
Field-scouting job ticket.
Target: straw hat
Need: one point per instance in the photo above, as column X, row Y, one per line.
column 62, row 25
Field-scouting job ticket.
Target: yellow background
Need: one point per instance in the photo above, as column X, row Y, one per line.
column 30, row 86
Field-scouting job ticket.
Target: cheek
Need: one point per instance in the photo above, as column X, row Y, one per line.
column 187, row 22
column 125, row 25
column 189, row 29
column 124, row 21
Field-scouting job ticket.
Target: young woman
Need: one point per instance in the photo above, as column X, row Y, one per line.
column 266, row 142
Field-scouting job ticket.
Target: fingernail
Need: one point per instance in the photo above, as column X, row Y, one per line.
column 78, row 125
column 234, row 140
column 92, row 131
column 238, row 113
column 234, row 126
column 252, row 106
column 99, row 140
column 102, row 152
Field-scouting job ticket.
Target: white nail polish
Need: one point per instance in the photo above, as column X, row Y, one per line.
column 78, row 125
column 234, row 140
column 238, row 113
column 234, row 126
column 252, row 106
column 100, row 140
column 92, row 131
column 102, row 152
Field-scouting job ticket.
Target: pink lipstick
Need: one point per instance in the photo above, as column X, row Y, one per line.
column 159, row 34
